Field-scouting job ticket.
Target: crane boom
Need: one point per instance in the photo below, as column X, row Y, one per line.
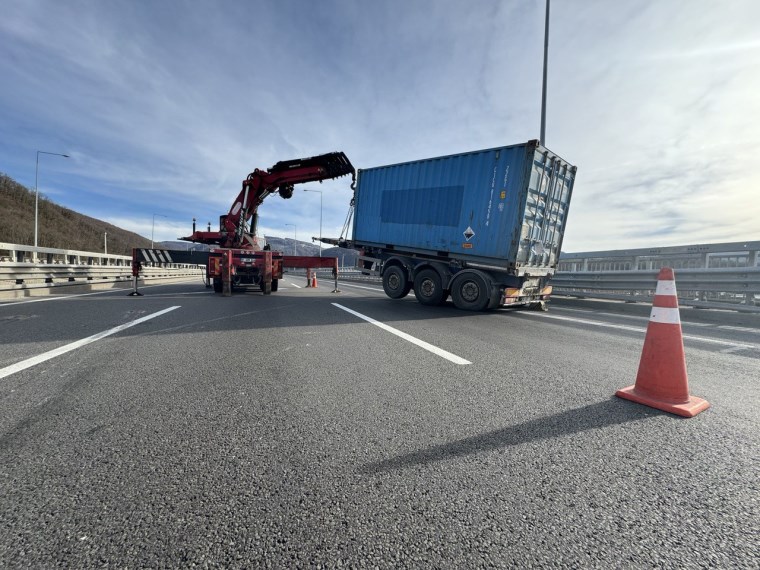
column 234, row 228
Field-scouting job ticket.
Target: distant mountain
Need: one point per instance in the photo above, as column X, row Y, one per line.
column 59, row 227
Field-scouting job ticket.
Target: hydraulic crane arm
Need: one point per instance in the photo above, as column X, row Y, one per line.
column 280, row 178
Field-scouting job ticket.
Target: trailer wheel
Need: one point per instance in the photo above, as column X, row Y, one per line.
column 218, row 285
column 428, row 288
column 275, row 285
column 395, row 282
column 470, row 292
column 267, row 288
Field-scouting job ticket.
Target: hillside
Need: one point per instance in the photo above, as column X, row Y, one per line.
column 59, row 227
column 62, row 228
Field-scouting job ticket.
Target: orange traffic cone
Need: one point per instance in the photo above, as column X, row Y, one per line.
column 662, row 382
column 314, row 279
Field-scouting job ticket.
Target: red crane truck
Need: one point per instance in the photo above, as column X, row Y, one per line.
column 240, row 257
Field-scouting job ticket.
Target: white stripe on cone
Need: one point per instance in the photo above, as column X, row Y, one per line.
column 665, row 315
column 666, row 288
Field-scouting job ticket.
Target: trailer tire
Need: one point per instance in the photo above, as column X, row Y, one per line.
column 395, row 282
column 428, row 288
column 218, row 285
column 470, row 291
column 266, row 288
column 275, row 285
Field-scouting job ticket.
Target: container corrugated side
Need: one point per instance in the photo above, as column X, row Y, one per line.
column 467, row 206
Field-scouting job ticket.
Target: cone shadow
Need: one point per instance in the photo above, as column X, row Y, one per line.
column 577, row 420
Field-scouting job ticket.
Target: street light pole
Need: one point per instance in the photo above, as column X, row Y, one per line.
column 543, row 89
column 295, row 237
column 320, row 217
column 153, row 228
column 105, row 243
column 36, row 193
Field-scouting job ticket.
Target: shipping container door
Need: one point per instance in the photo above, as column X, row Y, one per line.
column 546, row 207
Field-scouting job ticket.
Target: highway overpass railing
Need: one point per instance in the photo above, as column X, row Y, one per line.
column 737, row 289
column 25, row 268
column 716, row 275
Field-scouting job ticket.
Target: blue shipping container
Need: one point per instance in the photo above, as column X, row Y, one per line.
column 506, row 207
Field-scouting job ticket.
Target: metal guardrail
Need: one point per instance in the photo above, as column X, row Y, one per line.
column 733, row 289
column 736, row 289
column 29, row 273
column 26, row 267
column 11, row 252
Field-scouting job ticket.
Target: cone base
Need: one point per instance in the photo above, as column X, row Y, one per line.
column 688, row 410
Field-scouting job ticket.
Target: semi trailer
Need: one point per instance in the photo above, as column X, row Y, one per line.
column 482, row 227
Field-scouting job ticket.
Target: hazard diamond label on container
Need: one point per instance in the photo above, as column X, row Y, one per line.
column 468, row 233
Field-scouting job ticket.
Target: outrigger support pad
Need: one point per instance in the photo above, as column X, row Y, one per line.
column 135, row 292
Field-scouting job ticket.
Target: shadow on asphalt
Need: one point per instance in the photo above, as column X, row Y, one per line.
column 602, row 414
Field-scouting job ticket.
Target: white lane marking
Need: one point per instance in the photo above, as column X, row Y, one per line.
column 362, row 287
column 640, row 318
column 740, row 329
column 421, row 343
column 733, row 349
column 587, row 322
column 623, row 316
column 294, row 285
column 737, row 345
column 29, row 362
column 180, row 294
column 41, row 299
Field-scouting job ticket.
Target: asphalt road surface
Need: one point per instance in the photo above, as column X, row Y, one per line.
column 305, row 429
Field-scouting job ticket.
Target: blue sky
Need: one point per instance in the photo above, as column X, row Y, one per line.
column 165, row 106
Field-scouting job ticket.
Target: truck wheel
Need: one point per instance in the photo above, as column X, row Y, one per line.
column 428, row 288
column 470, row 292
column 266, row 288
column 218, row 285
column 275, row 285
column 395, row 283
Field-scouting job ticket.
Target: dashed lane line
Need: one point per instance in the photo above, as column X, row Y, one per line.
column 421, row 343
column 45, row 356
